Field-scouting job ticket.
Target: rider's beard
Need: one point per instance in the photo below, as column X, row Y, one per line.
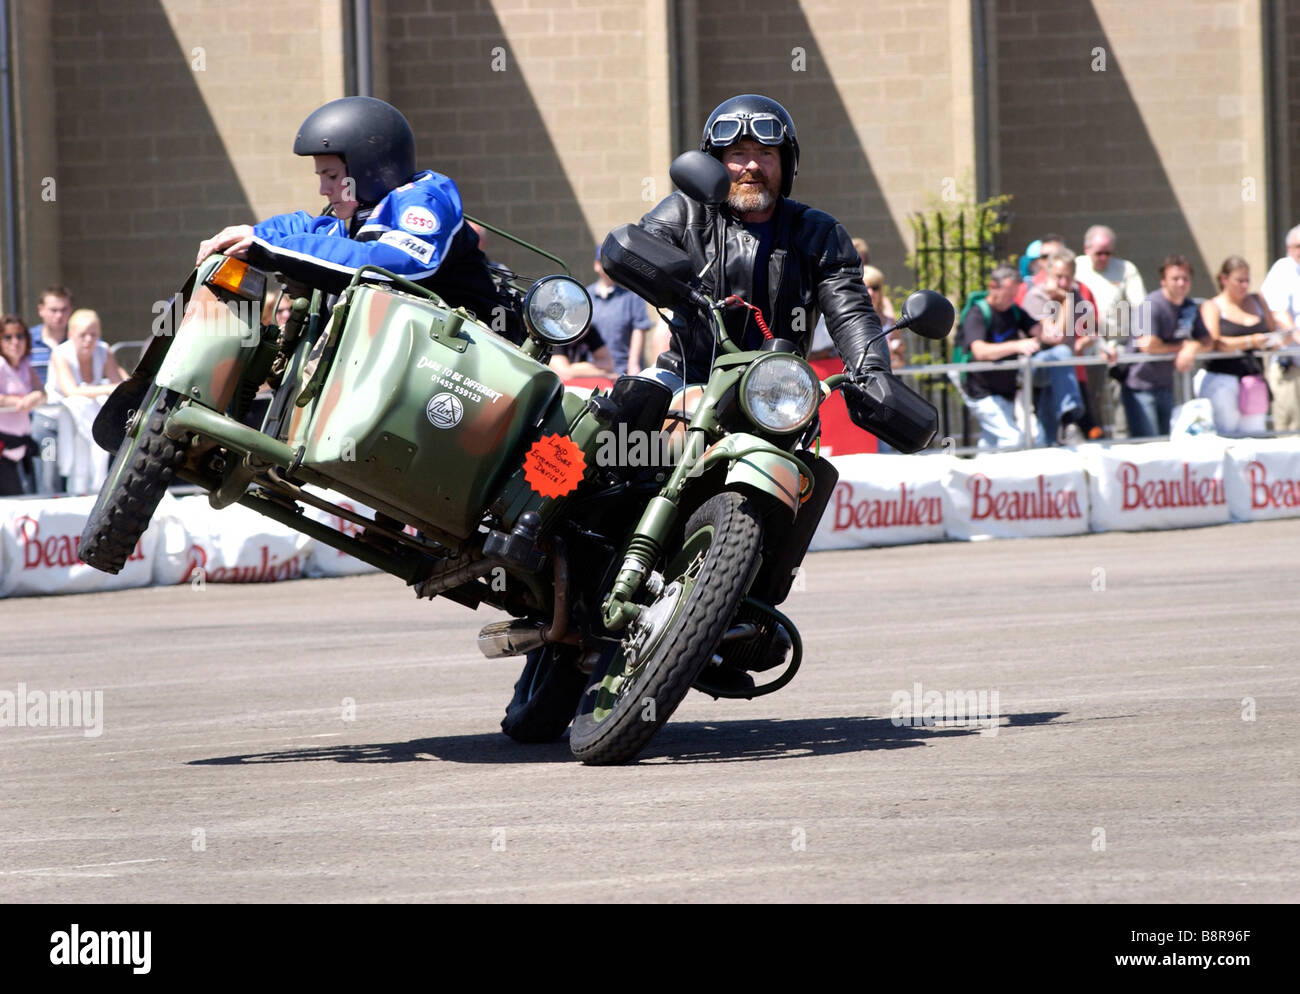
column 749, row 199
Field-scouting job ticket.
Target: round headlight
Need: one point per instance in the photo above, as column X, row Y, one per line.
column 557, row 310
column 780, row 393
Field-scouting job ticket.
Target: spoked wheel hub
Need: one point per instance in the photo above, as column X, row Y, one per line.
column 651, row 624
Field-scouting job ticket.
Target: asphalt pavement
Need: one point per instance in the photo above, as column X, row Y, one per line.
column 1137, row 699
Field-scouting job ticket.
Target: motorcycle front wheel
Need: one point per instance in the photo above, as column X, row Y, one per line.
column 145, row 463
column 546, row 695
column 676, row 634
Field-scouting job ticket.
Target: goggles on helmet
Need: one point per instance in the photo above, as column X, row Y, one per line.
column 766, row 129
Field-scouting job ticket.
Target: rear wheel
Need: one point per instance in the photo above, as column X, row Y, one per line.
column 675, row 635
column 546, row 695
column 145, row 464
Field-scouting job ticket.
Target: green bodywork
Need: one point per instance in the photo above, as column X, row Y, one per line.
column 421, row 412
column 752, row 461
column 207, row 353
column 420, row 406
column 759, row 466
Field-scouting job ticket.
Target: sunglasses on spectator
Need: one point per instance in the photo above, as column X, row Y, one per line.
column 1101, row 252
column 765, row 129
column 13, row 337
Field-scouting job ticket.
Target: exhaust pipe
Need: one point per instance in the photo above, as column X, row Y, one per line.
column 511, row 638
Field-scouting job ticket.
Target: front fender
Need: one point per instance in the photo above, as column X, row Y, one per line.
column 767, row 470
column 109, row 429
column 212, row 346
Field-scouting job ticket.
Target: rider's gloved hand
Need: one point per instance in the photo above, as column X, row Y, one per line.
column 884, row 405
column 868, row 366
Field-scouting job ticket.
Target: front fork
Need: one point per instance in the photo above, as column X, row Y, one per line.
column 648, row 538
column 755, row 463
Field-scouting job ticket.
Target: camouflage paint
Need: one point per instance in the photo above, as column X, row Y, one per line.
column 769, row 471
column 374, row 428
column 216, row 338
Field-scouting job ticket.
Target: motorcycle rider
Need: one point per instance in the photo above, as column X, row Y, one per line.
column 789, row 260
column 381, row 211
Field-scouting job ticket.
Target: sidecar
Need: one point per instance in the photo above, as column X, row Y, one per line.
column 393, row 399
column 417, row 408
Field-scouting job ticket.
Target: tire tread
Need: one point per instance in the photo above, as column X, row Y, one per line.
column 737, row 542
column 122, row 512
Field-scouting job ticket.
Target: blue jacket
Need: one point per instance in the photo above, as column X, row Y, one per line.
column 417, row 232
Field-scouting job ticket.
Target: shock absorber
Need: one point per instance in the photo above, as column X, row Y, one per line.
column 643, row 551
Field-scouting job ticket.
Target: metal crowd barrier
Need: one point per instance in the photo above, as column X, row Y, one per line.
column 117, row 348
column 1025, row 365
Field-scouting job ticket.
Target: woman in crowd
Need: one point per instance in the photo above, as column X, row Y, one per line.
column 20, row 393
column 1236, row 319
column 82, row 366
column 875, row 281
column 884, row 307
column 82, row 375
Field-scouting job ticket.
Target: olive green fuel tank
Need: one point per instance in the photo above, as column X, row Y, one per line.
column 421, row 407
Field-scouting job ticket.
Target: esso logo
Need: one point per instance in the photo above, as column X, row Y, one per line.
column 420, row 220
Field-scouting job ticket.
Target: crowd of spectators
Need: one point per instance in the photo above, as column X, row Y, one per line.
column 54, row 378
column 1057, row 307
column 1061, row 306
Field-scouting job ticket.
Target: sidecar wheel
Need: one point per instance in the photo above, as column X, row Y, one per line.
column 706, row 581
column 144, row 465
column 546, row 695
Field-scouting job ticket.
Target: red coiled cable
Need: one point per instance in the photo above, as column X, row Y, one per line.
column 735, row 300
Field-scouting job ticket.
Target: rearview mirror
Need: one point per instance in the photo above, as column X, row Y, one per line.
column 927, row 313
column 701, row 177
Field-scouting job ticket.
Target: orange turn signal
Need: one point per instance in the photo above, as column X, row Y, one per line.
column 236, row 276
column 230, row 274
column 805, row 489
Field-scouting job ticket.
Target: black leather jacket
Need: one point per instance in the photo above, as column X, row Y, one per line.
column 813, row 268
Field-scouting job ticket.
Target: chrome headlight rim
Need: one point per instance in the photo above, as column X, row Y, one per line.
column 801, row 367
column 543, row 326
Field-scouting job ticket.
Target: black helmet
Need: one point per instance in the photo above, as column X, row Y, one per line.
column 760, row 118
column 373, row 138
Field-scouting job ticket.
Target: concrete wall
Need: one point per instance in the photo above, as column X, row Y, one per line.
column 160, row 121
column 558, row 123
column 1146, row 117
column 1288, row 126
column 879, row 92
column 552, row 117
column 37, row 207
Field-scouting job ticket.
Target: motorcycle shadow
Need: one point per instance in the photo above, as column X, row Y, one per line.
column 679, row 742
column 776, row 738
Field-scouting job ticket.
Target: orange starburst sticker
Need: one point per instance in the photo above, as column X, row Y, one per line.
column 554, row 466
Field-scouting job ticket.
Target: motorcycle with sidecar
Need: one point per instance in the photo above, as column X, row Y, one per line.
column 625, row 581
